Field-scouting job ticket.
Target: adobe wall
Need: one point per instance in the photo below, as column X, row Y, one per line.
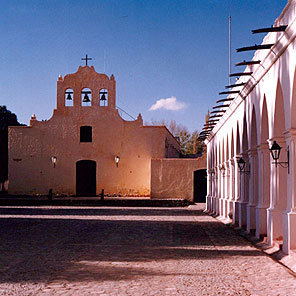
column 173, row 178
column 31, row 148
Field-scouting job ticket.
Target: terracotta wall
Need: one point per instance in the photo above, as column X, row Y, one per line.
column 31, row 148
column 173, row 178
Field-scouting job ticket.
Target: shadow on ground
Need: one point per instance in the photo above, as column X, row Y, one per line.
column 37, row 250
column 98, row 211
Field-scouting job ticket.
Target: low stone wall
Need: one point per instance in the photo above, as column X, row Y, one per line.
column 173, row 177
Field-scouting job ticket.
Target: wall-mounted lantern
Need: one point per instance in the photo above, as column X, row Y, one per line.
column 241, row 165
column 211, row 172
column 222, row 169
column 117, row 158
column 275, row 151
column 54, row 160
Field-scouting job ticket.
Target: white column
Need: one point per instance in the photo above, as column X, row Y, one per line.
column 222, row 189
column 289, row 217
column 253, row 191
column 209, row 182
column 208, row 197
column 226, row 190
column 217, row 190
column 278, row 197
column 231, row 189
column 237, row 192
column 210, row 190
column 244, row 194
column 263, row 189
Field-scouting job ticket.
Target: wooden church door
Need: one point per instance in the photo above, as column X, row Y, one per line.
column 86, row 178
column 200, row 186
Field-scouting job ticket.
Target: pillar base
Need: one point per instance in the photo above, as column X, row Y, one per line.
column 261, row 221
column 220, row 207
column 251, row 217
column 289, row 231
column 214, row 204
column 242, row 219
column 229, row 213
column 225, row 208
column 274, row 225
column 208, row 203
column 235, row 207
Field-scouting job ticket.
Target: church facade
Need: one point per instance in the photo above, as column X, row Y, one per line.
column 86, row 146
column 248, row 179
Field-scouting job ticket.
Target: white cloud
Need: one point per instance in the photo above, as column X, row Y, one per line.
column 168, row 104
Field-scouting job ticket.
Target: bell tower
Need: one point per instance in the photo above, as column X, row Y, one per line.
column 86, row 88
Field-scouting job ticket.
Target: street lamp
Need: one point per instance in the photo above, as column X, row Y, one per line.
column 54, row 160
column 241, row 165
column 117, row 158
column 275, row 151
column 211, row 172
column 222, row 169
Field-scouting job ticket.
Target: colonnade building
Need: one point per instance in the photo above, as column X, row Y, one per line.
column 261, row 194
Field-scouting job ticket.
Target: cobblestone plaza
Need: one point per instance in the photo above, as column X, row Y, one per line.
column 130, row 251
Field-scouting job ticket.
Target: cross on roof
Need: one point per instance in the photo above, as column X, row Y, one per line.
column 86, row 59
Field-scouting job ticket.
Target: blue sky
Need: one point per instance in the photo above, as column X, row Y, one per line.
column 155, row 49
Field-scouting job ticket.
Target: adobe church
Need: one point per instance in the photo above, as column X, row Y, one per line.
column 86, row 146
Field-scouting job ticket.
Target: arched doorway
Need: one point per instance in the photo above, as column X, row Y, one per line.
column 86, row 178
column 200, row 186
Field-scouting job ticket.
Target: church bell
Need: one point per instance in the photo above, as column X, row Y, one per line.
column 103, row 97
column 69, row 97
column 86, row 99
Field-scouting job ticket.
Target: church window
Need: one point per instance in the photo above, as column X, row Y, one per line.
column 103, row 97
column 86, row 97
column 85, row 134
column 69, row 97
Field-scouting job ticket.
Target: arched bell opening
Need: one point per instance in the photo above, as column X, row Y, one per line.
column 86, row 97
column 103, row 97
column 69, row 97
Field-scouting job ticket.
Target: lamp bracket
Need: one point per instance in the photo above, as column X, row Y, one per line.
column 284, row 164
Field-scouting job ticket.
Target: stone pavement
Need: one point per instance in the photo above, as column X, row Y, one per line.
column 130, row 251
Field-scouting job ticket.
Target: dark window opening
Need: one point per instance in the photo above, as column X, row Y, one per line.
column 85, row 134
